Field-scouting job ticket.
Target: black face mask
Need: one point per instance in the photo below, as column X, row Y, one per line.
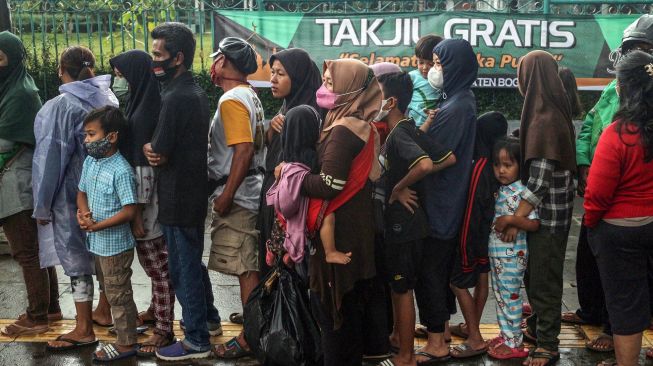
column 162, row 71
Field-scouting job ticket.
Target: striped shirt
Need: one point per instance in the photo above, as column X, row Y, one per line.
column 110, row 185
column 552, row 193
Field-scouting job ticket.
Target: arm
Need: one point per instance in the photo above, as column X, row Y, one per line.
column 430, row 117
column 521, row 223
column 584, row 140
column 423, row 168
column 242, row 159
column 125, row 188
column 125, row 215
column 602, row 182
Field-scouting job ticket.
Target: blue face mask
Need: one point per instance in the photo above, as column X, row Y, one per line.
column 98, row 149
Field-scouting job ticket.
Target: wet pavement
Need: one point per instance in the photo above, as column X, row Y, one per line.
column 12, row 302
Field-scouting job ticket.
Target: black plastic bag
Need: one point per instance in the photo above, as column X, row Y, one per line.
column 279, row 326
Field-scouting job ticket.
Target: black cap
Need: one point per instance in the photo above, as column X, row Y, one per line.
column 640, row 30
column 239, row 52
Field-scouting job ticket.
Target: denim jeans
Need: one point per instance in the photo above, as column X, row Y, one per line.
column 190, row 279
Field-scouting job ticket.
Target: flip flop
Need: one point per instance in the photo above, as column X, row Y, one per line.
column 387, row 362
column 141, row 329
column 591, row 345
column 236, row 318
column 457, row 330
column 232, row 350
column 74, row 344
column 112, row 354
column 463, row 350
column 570, row 317
column 551, row 357
column 432, row 359
column 514, row 353
column 169, row 341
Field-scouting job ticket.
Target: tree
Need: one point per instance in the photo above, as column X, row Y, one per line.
column 5, row 18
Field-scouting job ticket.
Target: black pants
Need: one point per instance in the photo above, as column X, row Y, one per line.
column 359, row 309
column 435, row 300
column 623, row 256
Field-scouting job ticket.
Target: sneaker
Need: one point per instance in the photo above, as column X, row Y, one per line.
column 215, row 329
column 177, row 352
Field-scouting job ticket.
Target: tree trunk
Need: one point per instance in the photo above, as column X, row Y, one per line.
column 5, row 18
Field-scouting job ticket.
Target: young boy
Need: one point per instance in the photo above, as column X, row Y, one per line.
column 106, row 203
column 409, row 157
column 425, row 98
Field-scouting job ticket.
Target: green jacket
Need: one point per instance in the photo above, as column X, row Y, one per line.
column 595, row 122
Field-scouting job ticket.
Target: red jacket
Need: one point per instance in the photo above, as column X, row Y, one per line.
column 620, row 183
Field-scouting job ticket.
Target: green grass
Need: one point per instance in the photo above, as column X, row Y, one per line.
column 44, row 46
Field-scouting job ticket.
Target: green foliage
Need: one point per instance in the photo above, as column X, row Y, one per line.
column 507, row 101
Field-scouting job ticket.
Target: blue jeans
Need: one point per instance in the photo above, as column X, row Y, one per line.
column 190, row 279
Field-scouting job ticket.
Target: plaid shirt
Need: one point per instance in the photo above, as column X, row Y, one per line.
column 109, row 185
column 551, row 192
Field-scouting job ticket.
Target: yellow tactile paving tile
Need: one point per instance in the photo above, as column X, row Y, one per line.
column 571, row 336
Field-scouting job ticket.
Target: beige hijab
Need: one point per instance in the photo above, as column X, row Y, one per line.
column 360, row 98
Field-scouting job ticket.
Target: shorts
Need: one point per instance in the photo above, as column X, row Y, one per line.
column 234, row 242
column 401, row 264
column 469, row 278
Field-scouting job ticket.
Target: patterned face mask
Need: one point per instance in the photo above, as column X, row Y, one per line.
column 98, row 149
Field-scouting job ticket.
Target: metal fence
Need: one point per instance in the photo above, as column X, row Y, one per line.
column 109, row 27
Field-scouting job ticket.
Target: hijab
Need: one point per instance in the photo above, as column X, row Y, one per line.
column 299, row 136
column 143, row 105
column 19, row 99
column 304, row 76
column 489, row 128
column 360, row 97
column 546, row 130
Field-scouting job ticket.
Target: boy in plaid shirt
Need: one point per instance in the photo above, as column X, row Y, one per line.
column 106, row 204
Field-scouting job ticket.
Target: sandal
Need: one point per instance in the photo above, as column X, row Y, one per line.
column 463, row 350
column 232, row 350
column 432, row 359
column 112, row 354
column 141, row 329
column 551, row 357
column 514, row 352
column 236, row 318
column 74, row 344
column 387, row 362
column 593, row 344
column 169, row 340
column 570, row 317
column 458, row 331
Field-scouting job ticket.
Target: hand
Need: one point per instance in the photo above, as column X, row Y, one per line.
column 509, row 235
column 138, row 228
column 277, row 122
column 405, row 196
column 502, row 223
column 222, row 204
column 85, row 220
column 583, row 173
column 278, row 169
column 153, row 158
column 42, row 222
column 430, row 115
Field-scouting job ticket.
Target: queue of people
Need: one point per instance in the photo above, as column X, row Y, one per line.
column 380, row 188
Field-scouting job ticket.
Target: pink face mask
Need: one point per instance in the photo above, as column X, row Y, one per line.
column 327, row 99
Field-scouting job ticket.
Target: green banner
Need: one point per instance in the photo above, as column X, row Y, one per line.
column 582, row 43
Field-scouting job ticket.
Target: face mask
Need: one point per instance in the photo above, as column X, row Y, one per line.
column 98, row 149
column 327, row 99
column 436, row 78
column 382, row 113
column 4, row 72
column 162, row 71
column 120, row 87
column 214, row 72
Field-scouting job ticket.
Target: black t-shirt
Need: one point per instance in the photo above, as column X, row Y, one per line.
column 406, row 146
column 182, row 136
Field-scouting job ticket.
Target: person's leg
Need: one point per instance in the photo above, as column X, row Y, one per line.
column 54, row 309
column 376, row 329
column 546, row 262
column 404, row 327
column 118, row 289
column 627, row 349
column 328, row 238
column 102, row 312
column 481, row 293
column 82, row 291
column 509, row 274
column 472, row 319
column 21, row 232
column 588, row 283
column 153, row 257
column 185, row 248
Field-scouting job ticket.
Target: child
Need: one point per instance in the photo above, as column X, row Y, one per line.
column 425, row 98
column 409, row 157
column 508, row 253
column 106, row 203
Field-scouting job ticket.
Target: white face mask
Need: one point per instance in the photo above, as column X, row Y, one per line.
column 382, row 113
column 436, row 78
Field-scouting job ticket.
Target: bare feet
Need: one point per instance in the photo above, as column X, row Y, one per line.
column 435, row 351
column 398, row 361
column 602, row 343
column 154, row 342
column 337, row 257
column 102, row 317
column 145, row 317
column 75, row 335
column 24, row 326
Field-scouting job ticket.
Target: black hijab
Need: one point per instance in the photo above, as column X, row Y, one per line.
column 489, row 128
column 305, row 80
column 143, row 105
column 299, row 136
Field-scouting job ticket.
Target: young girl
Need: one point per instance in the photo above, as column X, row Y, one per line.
column 508, row 252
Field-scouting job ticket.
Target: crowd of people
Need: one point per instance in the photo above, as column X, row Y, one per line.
column 377, row 187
